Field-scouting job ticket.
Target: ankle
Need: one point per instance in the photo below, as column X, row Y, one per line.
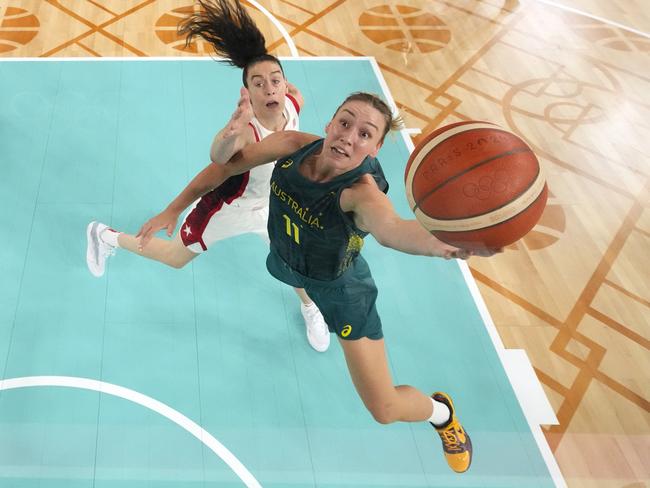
column 110, row 237
column 441, row 414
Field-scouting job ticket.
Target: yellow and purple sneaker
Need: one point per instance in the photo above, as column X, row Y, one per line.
column 455, row 441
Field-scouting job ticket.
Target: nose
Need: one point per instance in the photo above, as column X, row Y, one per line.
column 346, row 137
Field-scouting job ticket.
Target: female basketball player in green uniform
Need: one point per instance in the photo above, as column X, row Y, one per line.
column 326, row 195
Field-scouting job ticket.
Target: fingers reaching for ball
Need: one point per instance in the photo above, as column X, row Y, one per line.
column 458, row 253
column 486, row 253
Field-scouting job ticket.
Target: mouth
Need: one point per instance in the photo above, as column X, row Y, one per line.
column 339, row 152
column 272, row 104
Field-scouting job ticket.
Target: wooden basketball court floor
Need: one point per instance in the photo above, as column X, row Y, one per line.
column 115, row 140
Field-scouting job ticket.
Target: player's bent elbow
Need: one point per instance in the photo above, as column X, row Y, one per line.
column 177, row 264
column 387, row 241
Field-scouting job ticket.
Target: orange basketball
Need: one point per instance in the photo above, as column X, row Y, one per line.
column 475, row 185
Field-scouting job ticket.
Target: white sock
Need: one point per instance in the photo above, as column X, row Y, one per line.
column 441, row 413
column 109, row 236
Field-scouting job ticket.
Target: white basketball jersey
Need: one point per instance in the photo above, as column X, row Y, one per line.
column 258, row 188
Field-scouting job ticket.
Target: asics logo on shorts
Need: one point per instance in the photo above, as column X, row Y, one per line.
column 346, row 330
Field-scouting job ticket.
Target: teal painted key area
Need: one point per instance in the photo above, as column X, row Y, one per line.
column 146, row 352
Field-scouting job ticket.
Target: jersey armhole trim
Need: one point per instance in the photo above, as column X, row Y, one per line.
column 255, row 133
column 295, row 102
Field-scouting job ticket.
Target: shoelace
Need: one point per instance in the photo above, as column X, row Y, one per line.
column 107, row 250
column 323, row 327
column 450, row 440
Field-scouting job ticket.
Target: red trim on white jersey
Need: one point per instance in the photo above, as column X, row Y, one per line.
column 258, row 138
column 294, row 101
column 208, row 205
column 250, row 190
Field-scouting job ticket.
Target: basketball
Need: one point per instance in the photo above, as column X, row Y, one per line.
column 475, row 185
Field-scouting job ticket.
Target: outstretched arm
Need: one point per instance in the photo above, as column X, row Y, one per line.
column 374, row 213
column 295, row 93
column 268, row 149
column 210, row 177
column 236, row 134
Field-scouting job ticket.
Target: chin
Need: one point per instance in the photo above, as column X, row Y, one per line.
column 342, row 163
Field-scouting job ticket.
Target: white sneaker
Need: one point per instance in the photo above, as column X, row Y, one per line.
column 318, row 334
column 97, row 250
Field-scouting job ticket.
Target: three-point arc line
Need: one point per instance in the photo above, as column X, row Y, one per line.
column 166, row 411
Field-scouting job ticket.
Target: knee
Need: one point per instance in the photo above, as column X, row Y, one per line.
column 176, row 261
column 384, row 413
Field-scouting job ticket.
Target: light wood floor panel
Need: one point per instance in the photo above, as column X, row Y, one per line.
column 574, row 293
column 631, row 13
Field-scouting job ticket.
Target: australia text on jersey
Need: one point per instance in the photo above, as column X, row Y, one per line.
column 296, row 207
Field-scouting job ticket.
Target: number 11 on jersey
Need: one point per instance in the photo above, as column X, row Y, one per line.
column 292, row 229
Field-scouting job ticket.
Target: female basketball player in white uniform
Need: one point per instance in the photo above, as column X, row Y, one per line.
column 240, row 204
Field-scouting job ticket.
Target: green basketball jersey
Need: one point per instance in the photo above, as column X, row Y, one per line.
column 307, row 227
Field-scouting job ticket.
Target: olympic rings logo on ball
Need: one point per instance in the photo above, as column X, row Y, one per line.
column 487, row 186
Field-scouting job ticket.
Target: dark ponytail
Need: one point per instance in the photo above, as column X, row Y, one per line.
column 231, row 32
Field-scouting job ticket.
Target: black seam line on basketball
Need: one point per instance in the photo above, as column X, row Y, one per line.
column 533, row 181
column 469, row 131
column 467, row 170
column 493, row 225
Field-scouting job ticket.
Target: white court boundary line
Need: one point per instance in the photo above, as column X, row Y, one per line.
column 594, row 17
column 510, row 357
column 279, row 26
column 166, row 411
column 507, row 359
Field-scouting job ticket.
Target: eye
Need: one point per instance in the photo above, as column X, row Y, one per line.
column 276, row 82
column 365, row 134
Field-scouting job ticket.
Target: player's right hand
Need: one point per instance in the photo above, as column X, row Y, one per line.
column 242, row 115
column 164, row 220
column 459, row 253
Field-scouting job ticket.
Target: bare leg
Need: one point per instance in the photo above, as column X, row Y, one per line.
column 302, row 294
column 366, row 359
column 170, row 252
